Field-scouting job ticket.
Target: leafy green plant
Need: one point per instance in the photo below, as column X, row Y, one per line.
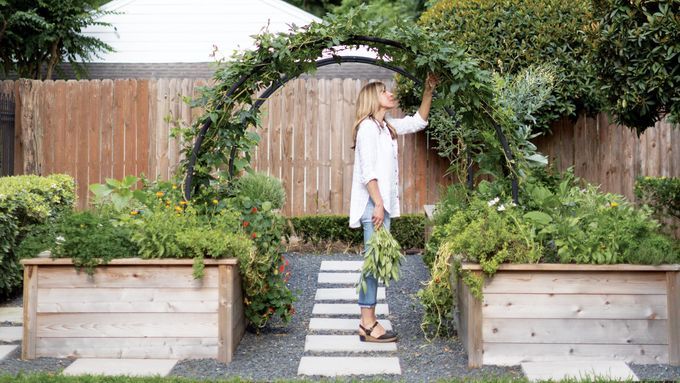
column 382, row 258
column 118, row 193
column 90, row 239
column 637, row 47
column 662, row 195
column 261, row 187
column 264, row 271
column 26, row 201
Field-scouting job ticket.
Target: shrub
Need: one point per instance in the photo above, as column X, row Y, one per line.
column 408, row 230
column 661, row 194
column 26, row 201
column 637, row 48
column 261, row 187
column 511, row 35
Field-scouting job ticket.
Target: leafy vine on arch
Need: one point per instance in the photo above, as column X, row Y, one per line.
column 220, row 137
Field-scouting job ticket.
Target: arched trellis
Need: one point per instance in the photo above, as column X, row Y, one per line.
column 331, row 61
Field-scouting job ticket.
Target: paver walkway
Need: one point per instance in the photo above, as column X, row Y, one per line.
column 334, row 325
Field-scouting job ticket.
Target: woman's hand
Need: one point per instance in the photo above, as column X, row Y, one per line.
column 432, row 81
column 378, row 216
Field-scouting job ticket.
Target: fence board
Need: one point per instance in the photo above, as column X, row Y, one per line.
column 46, row 104
column 106, row 129
column 82, row 142
column 298, row 198
column 312, row 147
column 324, row 169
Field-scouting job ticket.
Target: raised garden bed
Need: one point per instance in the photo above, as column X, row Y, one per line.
column 132, row 308
column 551, row 312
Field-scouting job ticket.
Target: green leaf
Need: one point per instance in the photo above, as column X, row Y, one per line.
column 538, row 218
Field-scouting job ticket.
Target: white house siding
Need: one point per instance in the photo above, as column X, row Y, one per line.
column 186, row 31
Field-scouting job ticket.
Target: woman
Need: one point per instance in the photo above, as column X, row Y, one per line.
column 375, row 190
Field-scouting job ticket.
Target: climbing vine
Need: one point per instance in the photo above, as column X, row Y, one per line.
column 230, row 104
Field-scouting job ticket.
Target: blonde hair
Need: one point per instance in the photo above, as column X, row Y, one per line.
column 368, row 104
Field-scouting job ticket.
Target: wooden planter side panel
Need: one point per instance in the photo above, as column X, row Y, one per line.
column 541, row 316
column 470, row 324
column 673, row 280
column 127, row 312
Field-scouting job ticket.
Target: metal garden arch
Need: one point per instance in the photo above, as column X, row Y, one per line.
column 356, row 40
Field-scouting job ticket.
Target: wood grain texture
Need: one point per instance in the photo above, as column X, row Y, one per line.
column 125, row 300
column 127, row 325
column 30, row 297
column 134, row 348
column 512, row 354
column 148, row 277
column 575, row 306
column 582, row 331
column 673, row 280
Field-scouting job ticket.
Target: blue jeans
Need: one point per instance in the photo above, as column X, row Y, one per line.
column 368, row 298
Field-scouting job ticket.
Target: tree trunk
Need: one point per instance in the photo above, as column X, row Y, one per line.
column 54, row 58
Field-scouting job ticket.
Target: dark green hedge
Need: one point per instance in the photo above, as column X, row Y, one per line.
column 638, row 56
column 26, row 201
column 408, row 230
column 508, row 36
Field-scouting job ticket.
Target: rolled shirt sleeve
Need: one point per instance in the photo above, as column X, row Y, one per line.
column 366, row 150
column 408, row 124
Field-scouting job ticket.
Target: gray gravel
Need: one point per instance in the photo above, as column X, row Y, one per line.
column 275, row 354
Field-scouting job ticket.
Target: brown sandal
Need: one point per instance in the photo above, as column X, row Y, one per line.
column 387, row 337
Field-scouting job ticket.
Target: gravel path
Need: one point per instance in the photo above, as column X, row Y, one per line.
column 275, row 354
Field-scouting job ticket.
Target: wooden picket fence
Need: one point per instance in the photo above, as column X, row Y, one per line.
column 96, row 129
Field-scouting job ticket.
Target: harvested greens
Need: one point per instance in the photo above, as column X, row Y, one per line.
column 382, row 258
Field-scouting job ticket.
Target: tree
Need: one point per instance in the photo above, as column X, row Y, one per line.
column 638, row 56
column 37, row 35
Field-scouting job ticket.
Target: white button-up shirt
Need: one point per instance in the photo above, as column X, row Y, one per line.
column 375, row 158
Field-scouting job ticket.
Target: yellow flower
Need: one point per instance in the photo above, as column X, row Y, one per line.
column 174, row 187
column 613, row 204
column 134, row 212
column 182, row 203
column 215, row 202
column 160, row 194
column 178, row 208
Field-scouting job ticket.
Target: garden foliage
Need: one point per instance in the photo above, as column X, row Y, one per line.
column 638, row 50
column 662, row 195
column 26, row 201
column 559, row 220
column 229, row 104
column 408, row 230
column 154, row 221
column 511, row 35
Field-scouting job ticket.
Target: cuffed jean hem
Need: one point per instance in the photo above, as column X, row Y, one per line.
column 368, row 298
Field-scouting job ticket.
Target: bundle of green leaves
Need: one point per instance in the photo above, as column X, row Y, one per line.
column 382, row 258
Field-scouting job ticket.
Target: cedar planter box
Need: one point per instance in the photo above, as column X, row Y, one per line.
column 554, row 312
column 132, row 308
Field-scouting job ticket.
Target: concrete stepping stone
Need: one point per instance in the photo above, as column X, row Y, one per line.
column 348, row 365
column 11, row 334
column 343, row 294
column 339, row 324
column 556, row 371
column 341, row 265
column 346, row 309
column 344, row 343
column 12, row 314
column 339, row 278
column 5, row 350
column 115, row 367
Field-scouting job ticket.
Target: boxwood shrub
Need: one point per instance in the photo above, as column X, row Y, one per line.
column 408, row 230
column 24, row 202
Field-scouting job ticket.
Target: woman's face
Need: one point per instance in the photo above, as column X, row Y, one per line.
column 387, row 99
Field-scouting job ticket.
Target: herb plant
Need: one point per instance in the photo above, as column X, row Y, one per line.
column 382, row 258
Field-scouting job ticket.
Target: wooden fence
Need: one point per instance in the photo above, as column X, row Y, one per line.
column 99, row 129
column 95, row 130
